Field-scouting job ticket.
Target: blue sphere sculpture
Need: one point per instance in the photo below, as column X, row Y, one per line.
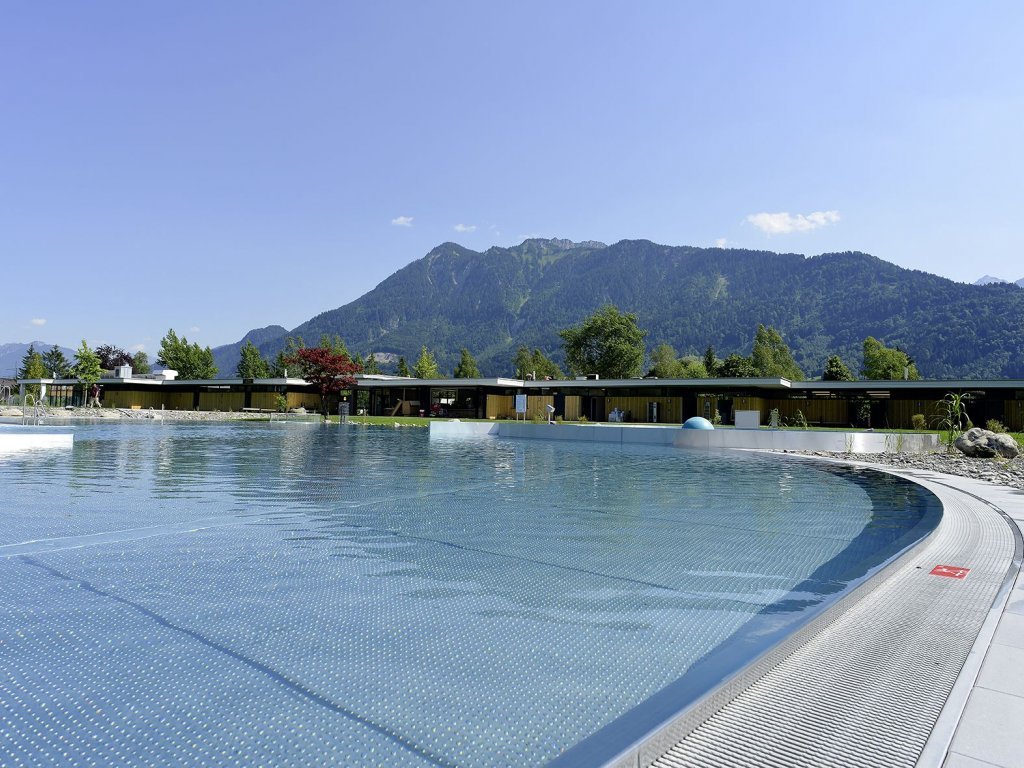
column 697, row 422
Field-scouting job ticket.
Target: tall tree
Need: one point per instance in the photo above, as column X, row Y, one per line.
column 882, row 363
column 665, row 363
column 771, row 356
column 56, row 364
column 836, row 370
column 292, row 345
column 112, row 357
column 737, row 367
column 692, row 367
column 711, row 362
column 608, row 343
column 328, row 371
column 190, row 360
column 403, row 368
column 467, row 367
column 536, row 363
column 370, row 365
column 334, row 343
column 251, row 364
column 140, row 362
column 87, row 368
column 32, row 366
column 426, row 366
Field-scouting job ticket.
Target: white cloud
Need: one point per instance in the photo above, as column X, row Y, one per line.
column 402, row 221
column 785, row 223
column 38, row 321
column 137, row 348
column 721, row 242
column 465, row 227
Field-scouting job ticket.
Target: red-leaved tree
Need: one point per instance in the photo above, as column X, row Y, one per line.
column 326, row 370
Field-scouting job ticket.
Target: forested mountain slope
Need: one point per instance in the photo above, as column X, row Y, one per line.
column 491, row 302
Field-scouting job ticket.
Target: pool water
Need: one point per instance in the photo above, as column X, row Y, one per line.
column 306, row 595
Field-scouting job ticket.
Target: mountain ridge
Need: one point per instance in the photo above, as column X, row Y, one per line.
column 492, row 301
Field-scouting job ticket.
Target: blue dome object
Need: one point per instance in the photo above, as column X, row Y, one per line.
column 697, row 422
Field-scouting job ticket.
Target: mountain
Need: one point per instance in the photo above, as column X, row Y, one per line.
column 11, row 356
column 226, row 357
column 988, row 280
column 491, row 302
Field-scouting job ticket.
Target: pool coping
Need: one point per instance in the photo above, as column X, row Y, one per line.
column 972, row 727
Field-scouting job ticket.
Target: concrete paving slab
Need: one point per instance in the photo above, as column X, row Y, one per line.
column 990, row 729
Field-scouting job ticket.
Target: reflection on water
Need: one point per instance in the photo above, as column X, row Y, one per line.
column 298, row 594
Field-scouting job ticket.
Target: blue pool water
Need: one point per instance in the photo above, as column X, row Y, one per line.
column 302, row 595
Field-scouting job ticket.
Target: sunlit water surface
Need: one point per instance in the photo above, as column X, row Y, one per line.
column 258, row 594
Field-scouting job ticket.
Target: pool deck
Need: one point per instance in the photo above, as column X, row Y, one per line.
column 987, row 729
column 976, row 707
column 25, row 438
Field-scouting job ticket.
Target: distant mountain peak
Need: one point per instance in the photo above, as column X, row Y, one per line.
column 988, row 280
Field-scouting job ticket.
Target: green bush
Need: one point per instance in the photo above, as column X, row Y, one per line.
column 281, row 403
column 919, row 421
column 995, row 425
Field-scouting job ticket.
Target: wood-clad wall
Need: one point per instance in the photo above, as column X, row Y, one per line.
column 817, row 411
column 670, row 409
column 135, row 399
column 504, row 407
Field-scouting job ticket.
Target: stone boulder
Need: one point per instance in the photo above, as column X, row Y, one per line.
column 982, row 444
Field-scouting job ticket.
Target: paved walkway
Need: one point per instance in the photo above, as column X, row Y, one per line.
column 990, row 731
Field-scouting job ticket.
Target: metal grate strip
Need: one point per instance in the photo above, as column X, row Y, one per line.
column 868, row 687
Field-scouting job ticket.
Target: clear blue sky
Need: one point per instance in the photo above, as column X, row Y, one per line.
column 215, row 167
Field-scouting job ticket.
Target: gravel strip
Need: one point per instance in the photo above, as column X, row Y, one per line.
column 997, row 471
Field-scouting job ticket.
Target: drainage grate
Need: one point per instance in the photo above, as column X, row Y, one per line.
column 867, row 689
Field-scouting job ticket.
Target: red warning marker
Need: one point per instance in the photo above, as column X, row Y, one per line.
column 951, row 571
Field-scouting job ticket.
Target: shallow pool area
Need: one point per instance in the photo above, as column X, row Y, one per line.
column 300, row 594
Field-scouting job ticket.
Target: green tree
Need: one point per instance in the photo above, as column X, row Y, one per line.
column 711, row 362
column 370, row 365
column 737, row 367
column 56, row 364
column 190, row 360
column 527, row 363
column 335, row 344
column 771, row 356
column 884, row 363
column 426, row 366
column 292, row 345
column 608, row 343
column 87, row 368
column 665, row 363
column 692, row 367
column 251, row 364
column 32, row 368
column 403, row 368
column 836, row 370
column 467, row 367
column 140, row 362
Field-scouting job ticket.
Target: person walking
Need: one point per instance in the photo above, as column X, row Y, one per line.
column 94, row 396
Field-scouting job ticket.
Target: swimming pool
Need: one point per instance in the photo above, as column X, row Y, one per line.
column 241, row 594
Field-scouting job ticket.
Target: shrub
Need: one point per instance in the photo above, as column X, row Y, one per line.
column 798, row 420
column 281, row 403
column 995, row 425
column 919, row 421
column 582, row 419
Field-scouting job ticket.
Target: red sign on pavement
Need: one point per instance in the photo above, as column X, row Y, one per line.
column 950, row 571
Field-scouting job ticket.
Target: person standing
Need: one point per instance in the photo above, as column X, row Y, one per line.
column 94, row 396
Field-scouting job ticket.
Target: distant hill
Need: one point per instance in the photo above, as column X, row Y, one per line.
column 226, row 357
column 988, row 280
column 12, row 354
column 688, row 297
